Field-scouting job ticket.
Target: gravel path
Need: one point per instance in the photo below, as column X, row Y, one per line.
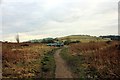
column 62, row 70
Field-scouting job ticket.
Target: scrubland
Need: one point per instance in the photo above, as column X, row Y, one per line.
column 94, row 59
column 23, row 60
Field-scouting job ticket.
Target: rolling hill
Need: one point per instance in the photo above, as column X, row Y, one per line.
column 82, row 38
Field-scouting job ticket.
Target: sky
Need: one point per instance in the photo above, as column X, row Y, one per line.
column 36, row 19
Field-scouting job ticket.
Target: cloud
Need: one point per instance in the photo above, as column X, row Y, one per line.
column 58, row 17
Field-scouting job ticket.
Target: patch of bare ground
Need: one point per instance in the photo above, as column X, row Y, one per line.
column 62, row 70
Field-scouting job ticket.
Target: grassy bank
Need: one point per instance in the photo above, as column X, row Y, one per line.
column 48, row 65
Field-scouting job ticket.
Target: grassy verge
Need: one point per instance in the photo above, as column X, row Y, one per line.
column 48, row 65
column 78, row 65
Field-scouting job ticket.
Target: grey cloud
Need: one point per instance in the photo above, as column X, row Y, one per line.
column 69, row 12
column 106, row 7
column 21, row 17
column 68, row 17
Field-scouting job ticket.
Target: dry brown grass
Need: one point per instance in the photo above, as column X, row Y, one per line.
column 22, row 61
column 102, row 56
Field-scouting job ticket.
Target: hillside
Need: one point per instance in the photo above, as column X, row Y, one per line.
column 82, row 38
column 93, row 60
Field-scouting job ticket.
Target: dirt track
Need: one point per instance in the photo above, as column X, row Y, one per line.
column 62, row 71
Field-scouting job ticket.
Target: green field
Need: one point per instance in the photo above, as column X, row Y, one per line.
column 83, row 38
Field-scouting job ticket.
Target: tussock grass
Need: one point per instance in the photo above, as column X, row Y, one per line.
column 94, row 60
column 22, row 61
column 48, row 65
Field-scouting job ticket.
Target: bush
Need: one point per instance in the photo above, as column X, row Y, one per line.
column 48, row 40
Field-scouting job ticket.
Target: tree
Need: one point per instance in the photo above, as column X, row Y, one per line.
column 48, row 40
column 17, row 38
column 68, row 41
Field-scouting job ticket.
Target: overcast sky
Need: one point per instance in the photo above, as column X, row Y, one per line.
column 35, row 19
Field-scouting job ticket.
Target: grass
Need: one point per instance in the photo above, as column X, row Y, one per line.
column 48, row 65
column 93, row 60
column 74, row 62
column 22, row 61
column 83, row 38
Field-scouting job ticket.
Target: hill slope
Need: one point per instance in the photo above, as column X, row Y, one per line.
column 82, row 38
